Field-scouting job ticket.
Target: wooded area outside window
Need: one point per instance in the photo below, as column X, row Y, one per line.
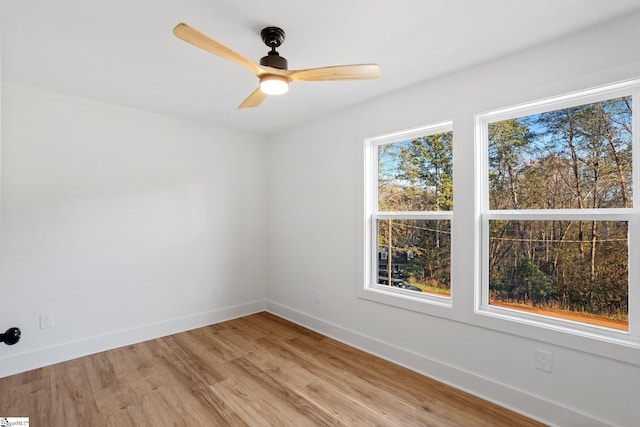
column 410, row 202
column 558, row 185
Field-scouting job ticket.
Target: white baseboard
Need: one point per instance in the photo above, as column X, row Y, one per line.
column 516, row 400
column 23, row 362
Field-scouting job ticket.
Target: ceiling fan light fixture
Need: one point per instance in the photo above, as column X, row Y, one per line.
column 272, row 84
column 273, row 71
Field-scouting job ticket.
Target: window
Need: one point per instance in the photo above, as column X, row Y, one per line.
column 409, row 212
column 558, row 209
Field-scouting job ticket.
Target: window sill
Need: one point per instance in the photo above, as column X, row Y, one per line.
column 601, row 341
column 408, row 300
column 550, row 332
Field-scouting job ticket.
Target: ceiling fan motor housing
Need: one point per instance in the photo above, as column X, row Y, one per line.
column 273, row 59
column 273, row 37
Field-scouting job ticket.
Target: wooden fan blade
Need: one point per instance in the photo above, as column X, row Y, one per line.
column 254, row 99
column 201, row 40
column 338, row 72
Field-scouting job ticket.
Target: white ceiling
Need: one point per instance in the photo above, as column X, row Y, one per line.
column 123, row 51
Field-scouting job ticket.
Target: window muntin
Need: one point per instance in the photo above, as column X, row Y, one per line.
column 411, row 209
column 558, row 208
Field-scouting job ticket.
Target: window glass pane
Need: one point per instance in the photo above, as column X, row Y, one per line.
column 416, row 174
column 573, row 158
column 415, row 255
column 576, row 270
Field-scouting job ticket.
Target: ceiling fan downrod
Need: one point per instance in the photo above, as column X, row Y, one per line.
column 273, row 37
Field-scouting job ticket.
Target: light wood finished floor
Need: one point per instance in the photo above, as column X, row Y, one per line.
column 258, row 370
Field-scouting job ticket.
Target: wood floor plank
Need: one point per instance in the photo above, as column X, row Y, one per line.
column 191, row 373
column 391, row 408
column 73, row 402
column 23, row 398
column 210, row 338
column 253, row 371
column 429, row 395
column 117, row 407
column 305, row 377
column 152, row 393
column 278, row 388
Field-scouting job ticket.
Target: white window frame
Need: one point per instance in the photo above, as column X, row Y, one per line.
column 630, row 215
column 412, row 300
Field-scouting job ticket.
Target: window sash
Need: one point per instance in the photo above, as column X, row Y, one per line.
column 630, row 215
column 563, row 214
column 428, row 215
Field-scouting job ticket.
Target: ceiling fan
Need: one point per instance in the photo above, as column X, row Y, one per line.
column 272, row 71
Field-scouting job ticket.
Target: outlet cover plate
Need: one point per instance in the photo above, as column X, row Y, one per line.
column 46, row 320
column 544, row 360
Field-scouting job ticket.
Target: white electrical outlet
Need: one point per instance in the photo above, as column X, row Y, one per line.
column 316, row 296
column 544, row 360
column 46, row 320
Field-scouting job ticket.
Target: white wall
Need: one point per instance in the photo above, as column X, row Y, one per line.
column 315, row 227
column 125, row 225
